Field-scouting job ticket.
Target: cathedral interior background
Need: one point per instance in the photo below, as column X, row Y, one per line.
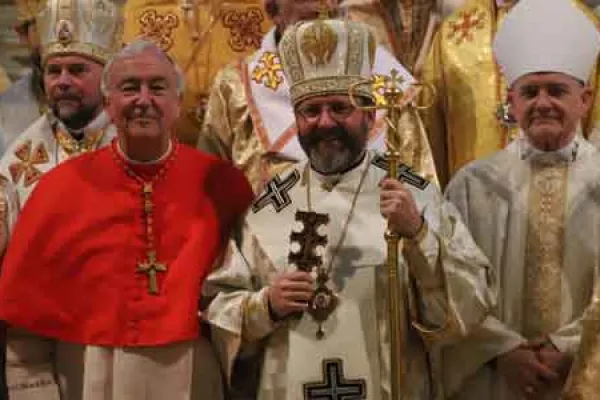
column 13, row 56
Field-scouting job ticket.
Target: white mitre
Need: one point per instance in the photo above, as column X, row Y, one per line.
column 547, row 36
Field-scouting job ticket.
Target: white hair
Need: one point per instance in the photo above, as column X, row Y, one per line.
column 133, row 49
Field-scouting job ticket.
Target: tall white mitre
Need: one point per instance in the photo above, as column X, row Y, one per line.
column 92, row 28
column 566, row 41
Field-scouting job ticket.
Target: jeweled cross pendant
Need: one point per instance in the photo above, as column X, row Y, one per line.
column 150, row 267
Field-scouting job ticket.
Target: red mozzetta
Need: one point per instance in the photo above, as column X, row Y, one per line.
column 70, row 269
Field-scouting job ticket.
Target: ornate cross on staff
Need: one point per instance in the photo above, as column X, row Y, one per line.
column 395, row 104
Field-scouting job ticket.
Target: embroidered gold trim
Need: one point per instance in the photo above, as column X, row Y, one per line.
column 461, row 29
column 318, row 43
column 72, row 147
column 26, row 166
column 544, row 249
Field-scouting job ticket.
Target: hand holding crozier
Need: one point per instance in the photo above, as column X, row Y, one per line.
column 398, row 206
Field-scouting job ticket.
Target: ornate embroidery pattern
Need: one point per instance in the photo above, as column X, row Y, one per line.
column 244, row 27
column 544, row 251
column 318, row 43
column 26, row 166
column 72, row 147
column 159, row 27
column 378, row 87
column 268, row 71
column 463, row 27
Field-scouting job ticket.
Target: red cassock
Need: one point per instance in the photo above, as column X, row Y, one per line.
column 70, row 269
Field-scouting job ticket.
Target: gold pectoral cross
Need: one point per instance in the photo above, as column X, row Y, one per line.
column 150, row 267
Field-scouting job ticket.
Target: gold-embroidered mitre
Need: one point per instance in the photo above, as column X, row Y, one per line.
column 324, row 57
column 27, row 10
column 92, row 28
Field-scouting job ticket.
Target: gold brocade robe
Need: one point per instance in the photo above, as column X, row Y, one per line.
column 499, row 200
column 202, row 37
column 250, row 118
column 404, row 27
column 462, row 124
column 401, row 26
column 448, row 287
column 584, row 381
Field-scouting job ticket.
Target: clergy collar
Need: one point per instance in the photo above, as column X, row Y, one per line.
column 568, row 153
column 136, row 162
column 93, row 127
column 348, row 178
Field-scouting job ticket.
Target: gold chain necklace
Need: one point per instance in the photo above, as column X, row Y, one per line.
column 323, row 300
column 151, row 266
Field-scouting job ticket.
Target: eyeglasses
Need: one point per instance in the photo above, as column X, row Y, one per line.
column 338, row 111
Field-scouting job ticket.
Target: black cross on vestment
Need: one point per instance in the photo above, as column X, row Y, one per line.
column 334, row 386
column 276, row 193
column 405, row 173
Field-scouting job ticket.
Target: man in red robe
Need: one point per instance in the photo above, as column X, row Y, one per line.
column 109, row 253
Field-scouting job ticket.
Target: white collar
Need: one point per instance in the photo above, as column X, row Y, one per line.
column 530, row 153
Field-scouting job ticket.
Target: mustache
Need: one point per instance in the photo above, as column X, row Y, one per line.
column 67, row 96
column 318, row 135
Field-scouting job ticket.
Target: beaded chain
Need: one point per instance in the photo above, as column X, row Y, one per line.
column 151, row 265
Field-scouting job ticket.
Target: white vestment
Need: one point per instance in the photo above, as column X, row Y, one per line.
column 448, row 288
column 499, row 200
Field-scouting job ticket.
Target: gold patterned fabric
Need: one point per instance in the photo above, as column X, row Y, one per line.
column 462, row 125
column 584, row 381
column 202, row 37
column 544, row 253
column 400, row 25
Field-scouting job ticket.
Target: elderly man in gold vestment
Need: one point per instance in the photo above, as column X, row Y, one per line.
column 328, row 337
column 250, row 118
column 202, row 37
column 469, row 119
column 534, row 210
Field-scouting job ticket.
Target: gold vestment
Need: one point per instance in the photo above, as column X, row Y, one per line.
column 201, row 36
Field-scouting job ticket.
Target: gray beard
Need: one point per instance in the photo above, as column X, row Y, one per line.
column 330, row 165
